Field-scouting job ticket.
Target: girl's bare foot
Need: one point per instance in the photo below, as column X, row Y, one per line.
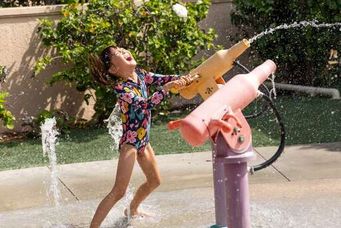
column 137, row 214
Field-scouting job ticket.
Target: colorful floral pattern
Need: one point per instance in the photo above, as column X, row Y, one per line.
column 136, row 106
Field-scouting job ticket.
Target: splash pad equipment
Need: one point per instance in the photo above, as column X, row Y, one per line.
column 219, row 118
column 207, row 78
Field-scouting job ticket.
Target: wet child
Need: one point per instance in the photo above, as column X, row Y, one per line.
column 116, row 67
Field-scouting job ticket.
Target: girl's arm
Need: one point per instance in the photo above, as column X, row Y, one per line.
column 127, row 95
column 159, row 79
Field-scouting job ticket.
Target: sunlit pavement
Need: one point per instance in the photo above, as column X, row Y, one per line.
column 301, row 189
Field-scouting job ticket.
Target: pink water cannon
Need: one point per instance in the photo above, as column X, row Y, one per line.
column 219, row 118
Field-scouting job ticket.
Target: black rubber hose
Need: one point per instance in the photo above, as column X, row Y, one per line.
column 280, row 149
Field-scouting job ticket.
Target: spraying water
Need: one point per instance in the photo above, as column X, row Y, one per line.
column 294, row 25
column 49, row 137
column 115, row 126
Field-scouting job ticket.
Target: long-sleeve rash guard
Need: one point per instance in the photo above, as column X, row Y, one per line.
column 136, row 105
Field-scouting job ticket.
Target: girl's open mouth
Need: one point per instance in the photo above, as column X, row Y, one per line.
column 129, row 58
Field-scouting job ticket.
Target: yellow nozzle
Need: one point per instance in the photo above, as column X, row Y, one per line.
column 213, row 69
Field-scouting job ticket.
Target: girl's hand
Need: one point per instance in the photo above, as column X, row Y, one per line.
column 182, row 82
column 175, row 84
column 189, row 78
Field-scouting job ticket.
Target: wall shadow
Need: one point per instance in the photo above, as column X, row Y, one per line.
column 30, row 95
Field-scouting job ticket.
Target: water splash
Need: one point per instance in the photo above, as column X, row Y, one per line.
column 49, row 137
column 314, row 24
column 273, row 93
column 114, row 125
column 114, row 218
column 127, row 199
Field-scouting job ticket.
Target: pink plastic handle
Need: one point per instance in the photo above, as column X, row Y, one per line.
column 228, row 116
column 215, row 125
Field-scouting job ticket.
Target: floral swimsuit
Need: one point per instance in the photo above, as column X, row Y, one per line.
column 136, row 106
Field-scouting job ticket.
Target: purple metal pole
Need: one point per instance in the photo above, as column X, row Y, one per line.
column 231, row 187
column 219, row 190
column 238, row 208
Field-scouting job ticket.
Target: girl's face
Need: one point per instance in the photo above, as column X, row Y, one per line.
column 122, row 63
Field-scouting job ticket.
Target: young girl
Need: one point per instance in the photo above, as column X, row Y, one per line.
column 117, row 67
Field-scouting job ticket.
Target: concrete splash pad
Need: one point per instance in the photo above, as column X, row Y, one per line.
column 192, row 208
column 279, row 197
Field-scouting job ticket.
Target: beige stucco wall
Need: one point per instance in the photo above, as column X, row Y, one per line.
column 20, row 47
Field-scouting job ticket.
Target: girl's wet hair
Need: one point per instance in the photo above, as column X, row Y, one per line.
column 99, row 66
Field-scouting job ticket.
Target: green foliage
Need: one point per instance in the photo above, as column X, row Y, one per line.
column 41, row 64
column 18, row 3
column 27, row 3
column 3, row 73
column 302, row 54
column 5, row 116
column 159, row 40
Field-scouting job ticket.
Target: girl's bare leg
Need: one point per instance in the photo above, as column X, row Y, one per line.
column 124, row 170
column 150, row 169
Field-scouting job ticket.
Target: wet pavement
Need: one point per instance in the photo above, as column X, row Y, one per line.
column 301, row 189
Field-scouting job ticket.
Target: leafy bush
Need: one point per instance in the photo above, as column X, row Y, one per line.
column 3, row 73
column 5, row 115
column 159, row 39
column 17, row 3
column 303, row 55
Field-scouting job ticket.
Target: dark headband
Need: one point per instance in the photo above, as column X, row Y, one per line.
column 106, row 59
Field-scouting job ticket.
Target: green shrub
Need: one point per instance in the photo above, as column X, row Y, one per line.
column 160, row 40
column 5, row 116
column 3, row 74
column 302, row 54
column 26, row 3
column 18, row 3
